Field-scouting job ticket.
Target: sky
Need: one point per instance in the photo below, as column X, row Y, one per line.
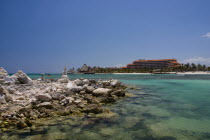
column 39, row 36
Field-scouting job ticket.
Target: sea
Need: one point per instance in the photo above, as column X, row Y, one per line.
column 163, row 107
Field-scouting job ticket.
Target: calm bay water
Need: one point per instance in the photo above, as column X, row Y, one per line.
column 166, row 107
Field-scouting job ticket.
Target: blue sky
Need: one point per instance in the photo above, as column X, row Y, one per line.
column 46, row 35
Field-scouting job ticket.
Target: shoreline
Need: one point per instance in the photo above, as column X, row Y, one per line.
column 196, row 72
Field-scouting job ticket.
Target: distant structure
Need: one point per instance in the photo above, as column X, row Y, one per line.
column 153, row 64
column 85, row 69
column 64, row 71
column 71, row 71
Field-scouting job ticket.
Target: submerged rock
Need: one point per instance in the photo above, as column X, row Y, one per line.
column 119, row 93
column 93, row 108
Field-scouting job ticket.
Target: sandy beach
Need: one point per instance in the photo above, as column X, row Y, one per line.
column 195, row 72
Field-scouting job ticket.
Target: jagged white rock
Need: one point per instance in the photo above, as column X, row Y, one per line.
column 100, row 91
column 85, row 81
column 2, row 99
column 72, row 86
column 64, row 79
column 22, row 78
column 78, row 82
column 115, row 83
column 9, row 79
column 3, row 74
column 89, row 89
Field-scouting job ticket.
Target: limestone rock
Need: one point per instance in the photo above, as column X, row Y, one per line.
column 3, row 74
column 85, row 81
column 8, row 98
column 89, row 89
column 73, row 87
column 101, row 91
column 64, row 79
column 45, row 104
column 9, row 80
column 2, row 99
column 22, row 78
column 5, row 92
column 119, row 93
column 57, row 96
column 20, row 98
column 67, row 100
column 78, row 82
column 115, row 83
column 77, row 101
column 44, row 97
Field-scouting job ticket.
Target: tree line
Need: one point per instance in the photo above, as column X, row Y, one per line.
column 181, row 68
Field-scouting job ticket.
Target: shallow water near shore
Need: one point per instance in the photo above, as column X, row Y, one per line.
column 165, row 107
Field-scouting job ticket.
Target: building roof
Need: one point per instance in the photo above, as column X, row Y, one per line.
column 154, row 60
column 123, row 67
column 84, row 68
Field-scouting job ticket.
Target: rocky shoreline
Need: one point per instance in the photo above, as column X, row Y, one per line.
column 25, row 101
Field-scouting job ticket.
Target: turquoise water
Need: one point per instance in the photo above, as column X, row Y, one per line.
column 166, row 107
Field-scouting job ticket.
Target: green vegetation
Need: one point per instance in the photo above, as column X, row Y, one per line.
column 191, row 67
column 120, row 70
column 182, row 68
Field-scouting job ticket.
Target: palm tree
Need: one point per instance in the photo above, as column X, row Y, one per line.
column 204, row 67
column 199, row 67
column 193, row 66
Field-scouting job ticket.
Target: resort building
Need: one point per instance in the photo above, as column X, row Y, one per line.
column 153, row 64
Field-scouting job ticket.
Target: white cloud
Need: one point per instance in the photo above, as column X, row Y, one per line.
column 207, row 35
column 198, row 60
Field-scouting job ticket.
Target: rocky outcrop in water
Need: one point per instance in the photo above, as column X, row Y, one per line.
column 24, row 101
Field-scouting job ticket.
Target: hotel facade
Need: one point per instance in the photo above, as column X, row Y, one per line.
column 153, row 64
